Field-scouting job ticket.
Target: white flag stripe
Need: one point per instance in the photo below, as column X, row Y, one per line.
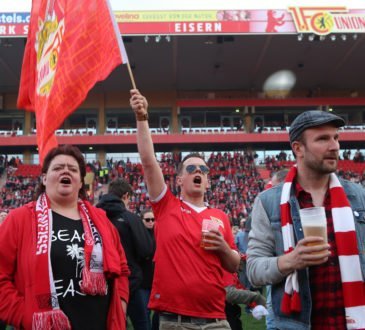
column 355, row 317
column 343, row 220
column 350, row 268
column 122, row 49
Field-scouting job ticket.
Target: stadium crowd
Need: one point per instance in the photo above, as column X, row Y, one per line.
column 234, row 177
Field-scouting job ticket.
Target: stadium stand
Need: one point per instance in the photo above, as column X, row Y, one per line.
column 235, row 180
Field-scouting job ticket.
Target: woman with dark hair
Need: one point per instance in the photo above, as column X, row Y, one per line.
column 61, row 262
column 148, row 266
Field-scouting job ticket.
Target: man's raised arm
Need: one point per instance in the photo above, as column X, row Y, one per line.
column 152, row 171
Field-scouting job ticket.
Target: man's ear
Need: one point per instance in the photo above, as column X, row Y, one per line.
column 297, row 148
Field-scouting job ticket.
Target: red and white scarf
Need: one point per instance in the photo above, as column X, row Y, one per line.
column 353, row 285
column 48, row 314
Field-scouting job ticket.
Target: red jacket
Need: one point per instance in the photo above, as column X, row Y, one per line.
column 17, row 267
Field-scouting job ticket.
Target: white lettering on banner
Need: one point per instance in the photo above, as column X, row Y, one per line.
column 25, row 29
column 11, row 29
column 201, row 27
column 7, row 30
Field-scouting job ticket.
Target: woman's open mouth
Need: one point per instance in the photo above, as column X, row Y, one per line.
column 65, row 180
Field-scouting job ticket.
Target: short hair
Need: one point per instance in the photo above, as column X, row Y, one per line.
column 281, row 175
column 191, row 155
column 68, row 150
column 119, row 187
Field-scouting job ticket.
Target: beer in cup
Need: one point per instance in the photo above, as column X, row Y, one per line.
column 207, row 226
column 314, row 223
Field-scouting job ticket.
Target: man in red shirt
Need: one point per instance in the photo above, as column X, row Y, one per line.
column 188, row 288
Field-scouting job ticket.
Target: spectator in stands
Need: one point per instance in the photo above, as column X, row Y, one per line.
column 358, row 157
column 241, row 242
column 136, row 242
column 307, row 288
column 181, row 291
column 282, row 156
column 242, row 237
column 235, row 230
column 3, row 215
column 346, row 154
column 2, row 164
column 50, row 276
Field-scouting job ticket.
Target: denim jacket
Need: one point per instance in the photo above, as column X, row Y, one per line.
column 266, row 244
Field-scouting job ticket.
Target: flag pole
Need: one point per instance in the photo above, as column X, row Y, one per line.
column 131, row 76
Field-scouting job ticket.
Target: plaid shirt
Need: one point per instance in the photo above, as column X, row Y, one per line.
column 328, row 311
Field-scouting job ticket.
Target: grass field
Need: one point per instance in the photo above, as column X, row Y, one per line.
column 248, row 322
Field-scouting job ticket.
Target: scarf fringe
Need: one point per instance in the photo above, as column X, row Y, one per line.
column 285, row 304
column 291, row 303
column 93, row 283
column 55, row 319
column 295, row 303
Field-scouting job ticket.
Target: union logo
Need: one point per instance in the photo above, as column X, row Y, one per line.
column 322, row 23
column 48, row 43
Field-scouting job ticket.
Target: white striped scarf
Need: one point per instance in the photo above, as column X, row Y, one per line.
column 48, row 313
column 353, row 285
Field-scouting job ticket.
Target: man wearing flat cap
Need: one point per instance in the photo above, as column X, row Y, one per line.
column 315, row 284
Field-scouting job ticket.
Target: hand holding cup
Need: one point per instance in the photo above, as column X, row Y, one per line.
column 314, row 223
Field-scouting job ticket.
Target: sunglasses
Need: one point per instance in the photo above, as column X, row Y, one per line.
column 192, row 168
column 149, row 219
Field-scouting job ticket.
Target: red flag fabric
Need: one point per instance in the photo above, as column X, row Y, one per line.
column 71, row 45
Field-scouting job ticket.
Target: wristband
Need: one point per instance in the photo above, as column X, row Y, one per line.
column 142, row 117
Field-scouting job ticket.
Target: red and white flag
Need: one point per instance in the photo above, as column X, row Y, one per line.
column 71, row 45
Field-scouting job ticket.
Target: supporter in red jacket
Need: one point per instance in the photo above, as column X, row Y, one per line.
column 61, row 262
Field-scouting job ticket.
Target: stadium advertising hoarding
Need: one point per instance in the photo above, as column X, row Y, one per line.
column 198, row 17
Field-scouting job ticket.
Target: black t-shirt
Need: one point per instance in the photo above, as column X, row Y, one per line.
column 67, row 258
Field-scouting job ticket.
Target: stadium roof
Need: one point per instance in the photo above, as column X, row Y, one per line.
column 223, row 62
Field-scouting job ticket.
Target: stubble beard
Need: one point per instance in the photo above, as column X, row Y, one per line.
column 321, row 167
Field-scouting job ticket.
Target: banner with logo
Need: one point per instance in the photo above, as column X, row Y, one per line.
column 71, row 45
column 318, row 20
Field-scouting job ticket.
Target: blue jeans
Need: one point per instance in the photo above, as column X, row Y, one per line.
column 138, row 312
column 270, row 320
column 155, row 319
